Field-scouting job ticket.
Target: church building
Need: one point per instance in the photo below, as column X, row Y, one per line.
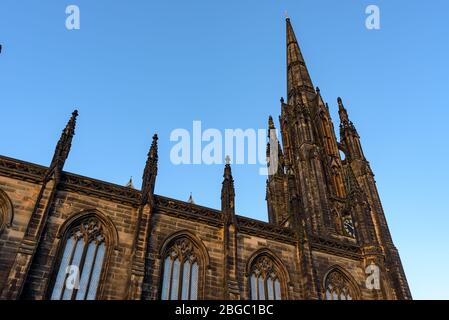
column 68, row 237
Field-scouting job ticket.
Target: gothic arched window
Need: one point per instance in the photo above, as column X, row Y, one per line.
column 81, row 262
column 338, row 286
column 180, row 271
column 265, row 280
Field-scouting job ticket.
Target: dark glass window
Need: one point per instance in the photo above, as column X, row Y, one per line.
column 338, row 287
column 180, row 273
column 81, row 263
column 265, row 282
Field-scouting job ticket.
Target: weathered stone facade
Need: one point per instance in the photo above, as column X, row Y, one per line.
column 326, row 220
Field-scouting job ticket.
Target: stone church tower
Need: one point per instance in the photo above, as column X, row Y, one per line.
column 316, row 189
column 69, row 237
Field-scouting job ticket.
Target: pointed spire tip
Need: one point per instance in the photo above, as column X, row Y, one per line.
column 298, row 77
column 190, row 200
column 340, row 103
column 130, row 183
column 270, row 122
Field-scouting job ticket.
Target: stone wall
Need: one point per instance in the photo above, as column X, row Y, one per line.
column 22, row 195
column 204, row 226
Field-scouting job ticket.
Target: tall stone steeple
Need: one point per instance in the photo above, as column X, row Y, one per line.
column 334, row 195
column 299, row 84
column 301, row 141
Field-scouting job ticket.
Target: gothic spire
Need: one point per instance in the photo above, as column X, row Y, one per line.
column 349, row 136
column 345, row 123
column 270, row 127
column 270, row 123
column 227, row 175
column 63, row 147
column 227, row 190
column 130, row 183
column 272, row 153
column 150, row 172
column 342, row 111
column 190, row 200
column 298, row 78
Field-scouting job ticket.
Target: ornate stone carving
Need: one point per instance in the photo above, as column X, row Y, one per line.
column 263, row 266
column 90, row 230
column 338, row 287
column 182, row 249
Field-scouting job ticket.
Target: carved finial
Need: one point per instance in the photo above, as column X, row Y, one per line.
column 317, row 89
column 153, row 149
column 344, row 119
column 64, row 145
column 227, row 190
column 282, row 100
column 191, row 199
column 70, row 127
column 150, row 172
column 340, row 102
column 152, row 154
column 270, row 123
column 130, row 183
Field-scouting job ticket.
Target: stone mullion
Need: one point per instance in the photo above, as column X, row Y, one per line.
column 190, row 281
column 81, row 265
column 68, row 264
column 265, row 283
column 172, row 264
column 97, row 244
column 180, row 278
column 257, row 286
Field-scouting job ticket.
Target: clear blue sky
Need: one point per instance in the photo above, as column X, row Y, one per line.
column 137, row 67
